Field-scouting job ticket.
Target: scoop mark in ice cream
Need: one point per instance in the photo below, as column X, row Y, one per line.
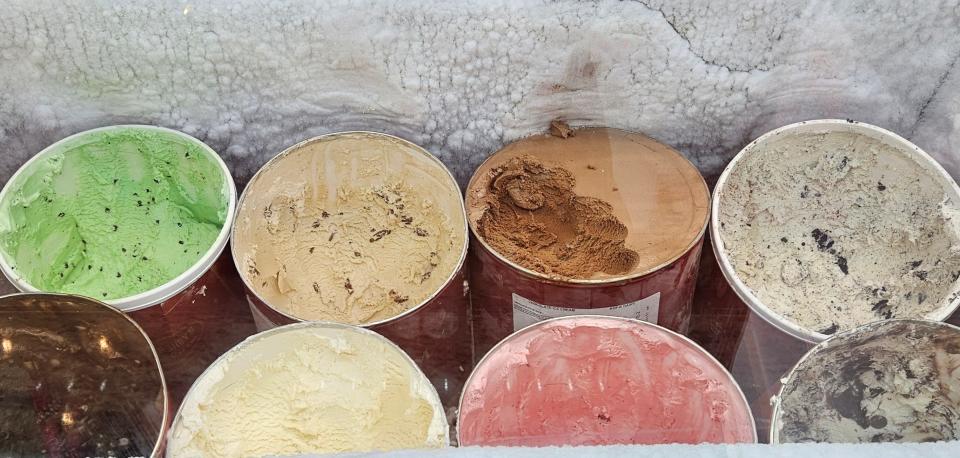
column 834, row 230
column 535, row 219
column 80, row 220
column 894, row 381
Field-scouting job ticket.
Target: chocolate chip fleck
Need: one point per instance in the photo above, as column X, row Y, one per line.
column 883, row 308
column 397, row 297
column 842, row 264
column 824, row 241
column 379, row 235
column 878, row 421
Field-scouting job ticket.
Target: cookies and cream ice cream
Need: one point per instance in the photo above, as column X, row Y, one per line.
column 113, row 212
column 831, row 228
column 600, row 380
column 352, row 227
column 890, row 381
column 309, row 388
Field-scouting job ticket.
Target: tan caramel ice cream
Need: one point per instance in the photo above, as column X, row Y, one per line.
column 353, row 227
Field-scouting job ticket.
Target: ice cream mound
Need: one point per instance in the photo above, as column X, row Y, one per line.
column 534, row 218
column 835, row 229
column 352, row 228
column 113, row 212
column 309, row 388
column 892, row 381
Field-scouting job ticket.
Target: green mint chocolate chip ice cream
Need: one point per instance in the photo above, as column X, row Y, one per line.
column 112, row 213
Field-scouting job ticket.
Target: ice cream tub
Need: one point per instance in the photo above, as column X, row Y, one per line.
column 365, row 229
column 600, row 380
column 313, row 387
column 133, row 216
column 887, row 381
column 587, row 221
column 79, row 378
column 823, row 226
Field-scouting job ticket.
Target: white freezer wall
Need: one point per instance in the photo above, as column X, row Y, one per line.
column 251, row 77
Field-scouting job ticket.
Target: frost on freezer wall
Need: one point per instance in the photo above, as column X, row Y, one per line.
column 462, row 77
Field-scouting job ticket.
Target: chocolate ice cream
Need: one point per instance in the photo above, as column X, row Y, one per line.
column 590, row 204
column 78, row 379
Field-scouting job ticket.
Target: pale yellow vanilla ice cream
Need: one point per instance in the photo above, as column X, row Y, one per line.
column 309, row 388
column 352, row 227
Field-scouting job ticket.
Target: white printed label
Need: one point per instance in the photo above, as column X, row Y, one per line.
column 527, row 312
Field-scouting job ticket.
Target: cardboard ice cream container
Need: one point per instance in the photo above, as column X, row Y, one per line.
column 599, row 380
column 312, row 387
column 79, row 378
column 887, row 381
column 822, row 226
column 134, row 216
column 366, row 229
column 602, row 221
